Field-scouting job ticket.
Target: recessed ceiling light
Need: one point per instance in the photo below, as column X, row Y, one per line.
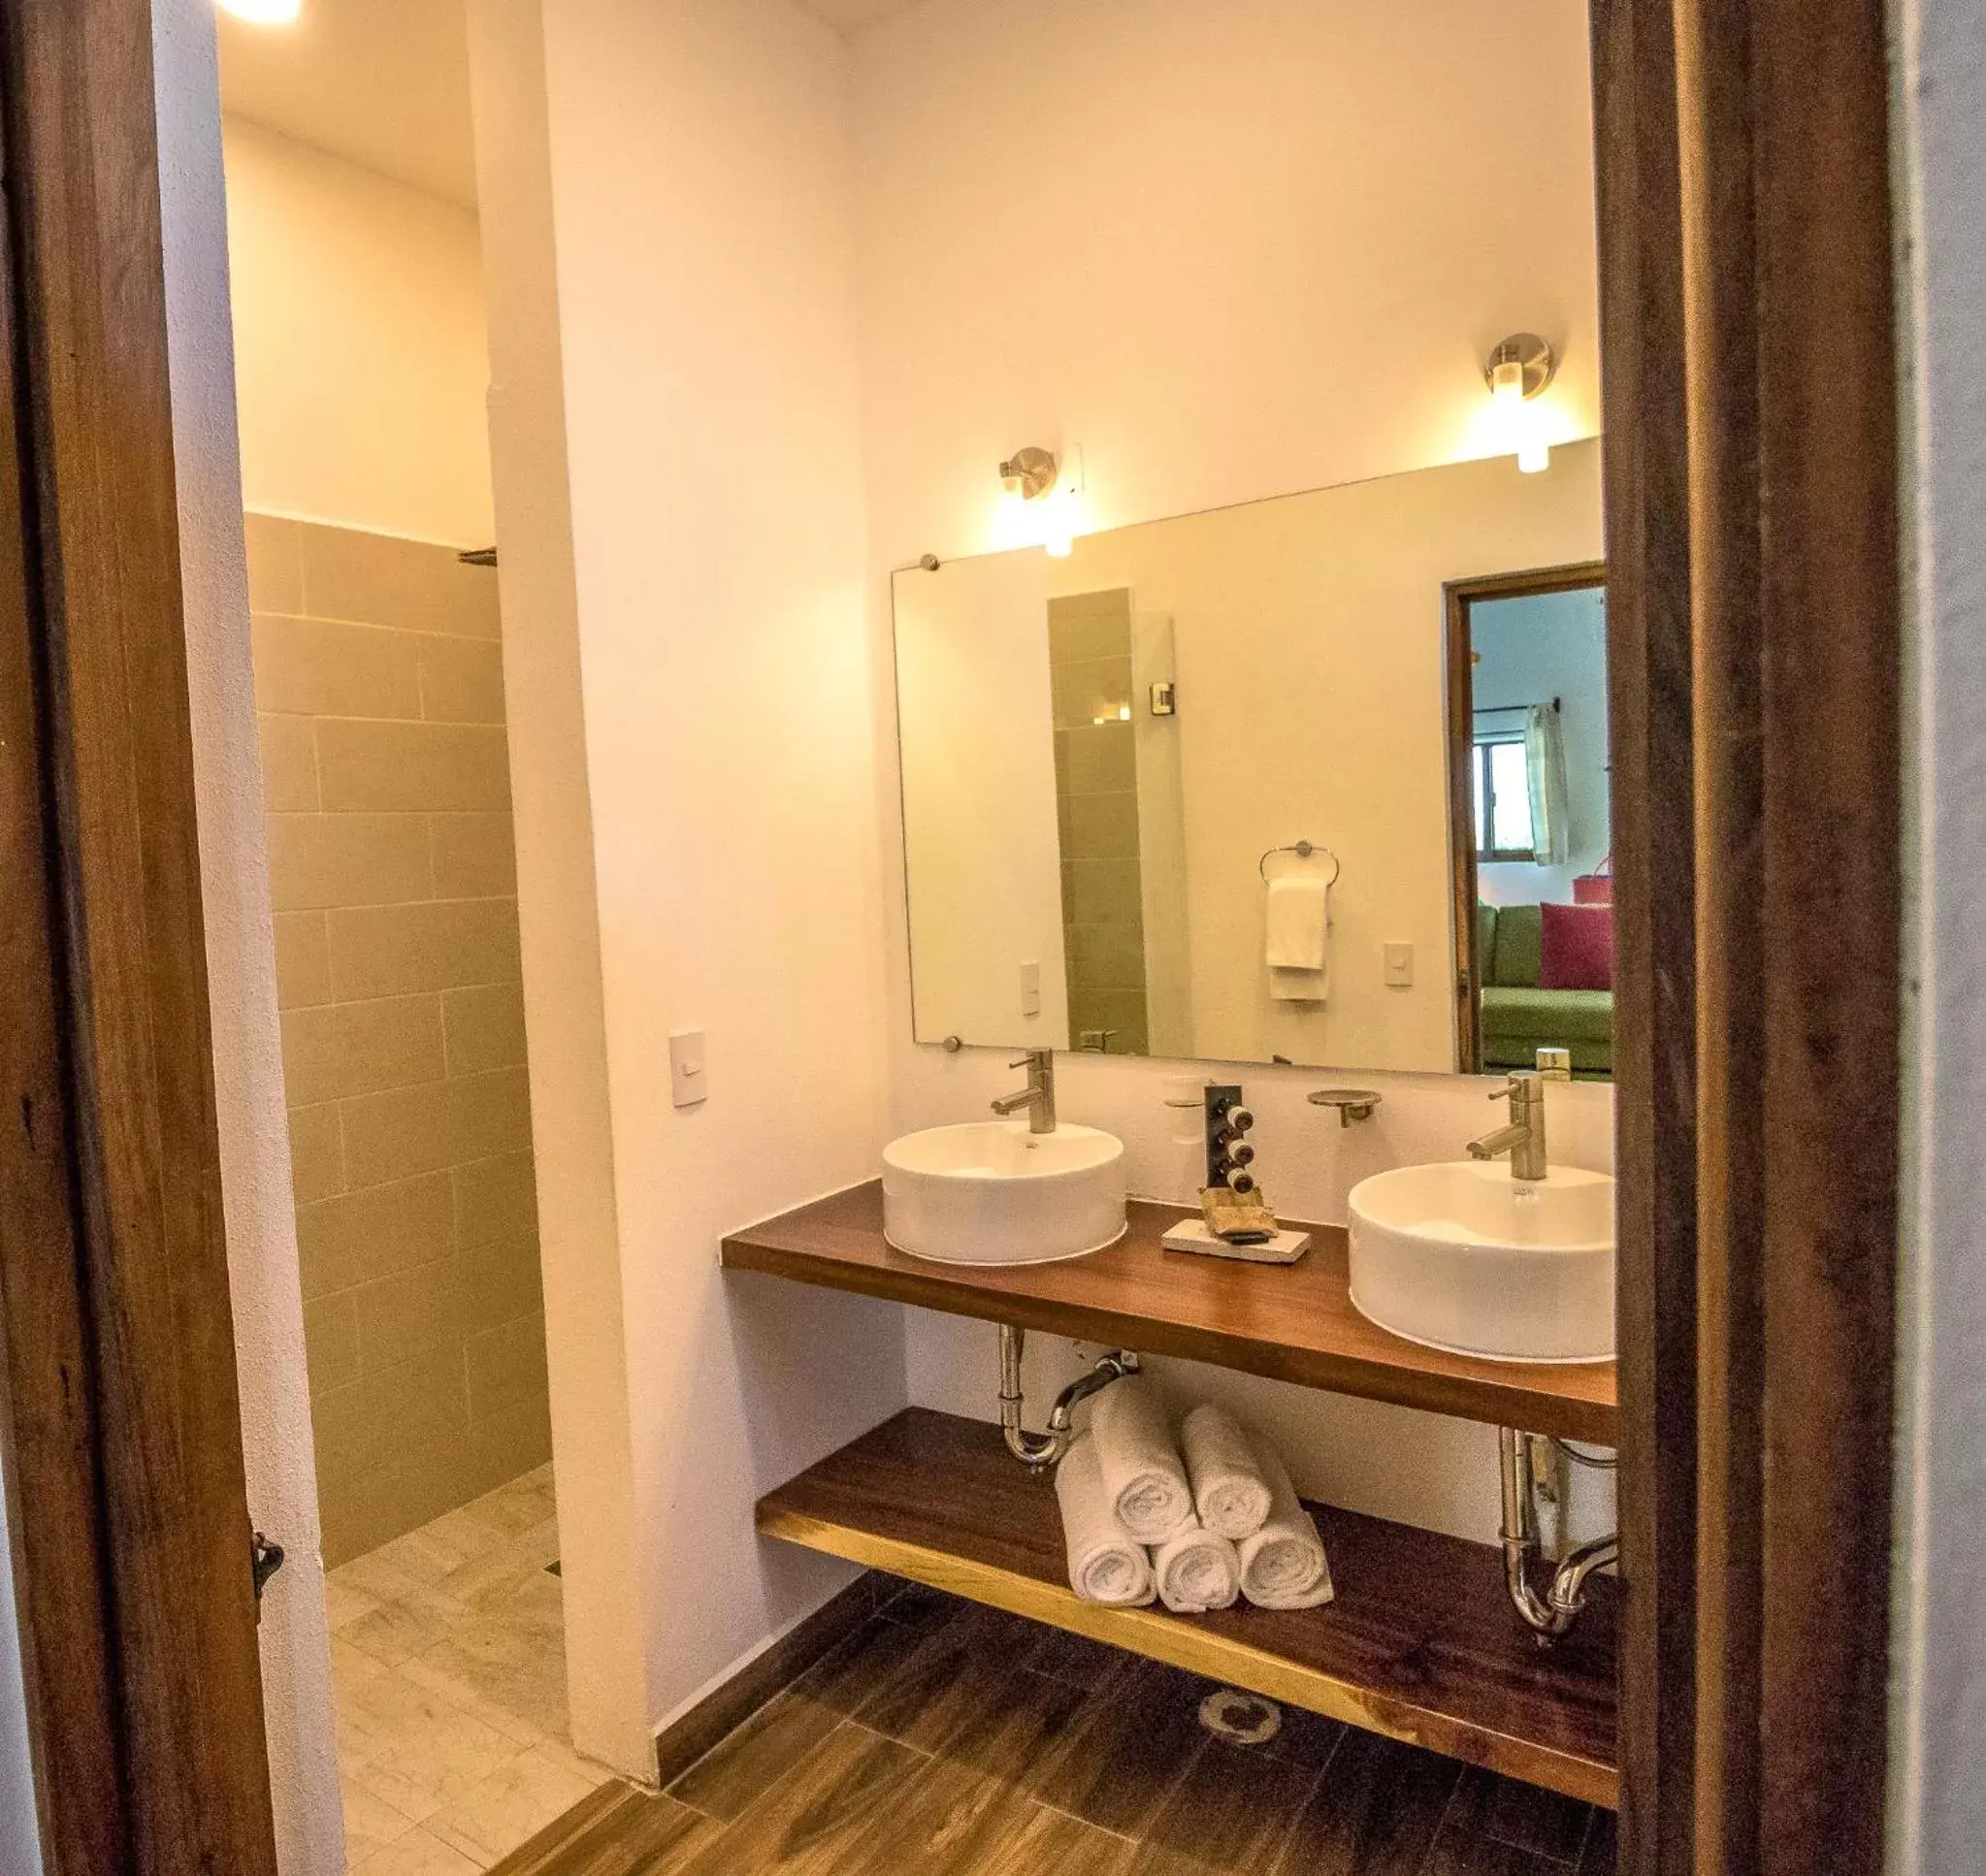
column 265, row 12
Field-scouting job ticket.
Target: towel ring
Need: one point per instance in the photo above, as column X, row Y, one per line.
column 1303, row 849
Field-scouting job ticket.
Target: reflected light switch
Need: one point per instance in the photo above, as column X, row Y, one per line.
column 1400, row 966
column 688, row 1084
column 1031, row 988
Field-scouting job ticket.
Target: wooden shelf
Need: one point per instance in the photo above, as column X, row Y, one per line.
column 1294, row 1324
column 1421, row 1643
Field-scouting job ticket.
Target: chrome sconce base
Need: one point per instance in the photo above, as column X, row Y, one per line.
column 1041, row 1449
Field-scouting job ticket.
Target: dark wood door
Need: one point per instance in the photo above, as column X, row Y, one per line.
column 124, row 1455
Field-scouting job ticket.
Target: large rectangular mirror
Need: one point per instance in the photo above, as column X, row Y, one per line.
column 1319, row 780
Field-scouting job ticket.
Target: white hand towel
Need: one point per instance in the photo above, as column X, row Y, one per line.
column 1298, row 911
column 1143, row 1474
column 1230, row 1495
column 1282, row 1566
column 1196, row 1571
column 1299, row 923
column 1106, row 1565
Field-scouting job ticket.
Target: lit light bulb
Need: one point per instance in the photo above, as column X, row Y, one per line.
column 1059, row 523
column 265, row 12
column 1521, row 425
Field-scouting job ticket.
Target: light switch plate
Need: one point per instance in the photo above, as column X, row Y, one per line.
column 1031, row 988
column 688, row 1081
column 1399, row 965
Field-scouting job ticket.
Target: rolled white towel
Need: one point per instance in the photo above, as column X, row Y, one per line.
column 1143, row 1474
column 1196, row 1570
column 1105, row 1565
column 1230, row 1495
column 1282, row 1566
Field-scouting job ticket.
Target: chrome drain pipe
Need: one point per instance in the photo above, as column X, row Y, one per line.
column 1039, row 1449
column 1552, row 1614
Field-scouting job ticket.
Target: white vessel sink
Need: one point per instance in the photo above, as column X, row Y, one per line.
column 990, row 1192
column 1465, row 1258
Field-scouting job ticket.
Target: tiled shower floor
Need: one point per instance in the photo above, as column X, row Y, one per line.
column 448, row 1661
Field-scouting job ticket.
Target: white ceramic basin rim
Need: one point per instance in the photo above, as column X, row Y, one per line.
column 1463, row 1257
column 991, row 1192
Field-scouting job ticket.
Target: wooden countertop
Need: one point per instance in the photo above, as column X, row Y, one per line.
column 1291, row 1324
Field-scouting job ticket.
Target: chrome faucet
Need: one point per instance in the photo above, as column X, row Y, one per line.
column 1524, row 1138
column 1038, row 1096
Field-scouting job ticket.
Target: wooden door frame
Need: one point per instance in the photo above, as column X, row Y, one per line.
column 1791, row 353
column 1746, row 254
column 1751, row 378
column 125, row 1459
column 1459, row 598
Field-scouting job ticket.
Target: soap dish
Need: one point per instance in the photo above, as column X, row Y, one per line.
column 1192, row 1234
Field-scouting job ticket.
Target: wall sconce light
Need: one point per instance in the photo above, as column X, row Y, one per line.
column 1519, row 371
column 1030, row 473
column 1036, row 476
column 265, row 12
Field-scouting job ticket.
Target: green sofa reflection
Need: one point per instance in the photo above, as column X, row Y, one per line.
column 1520, row 1019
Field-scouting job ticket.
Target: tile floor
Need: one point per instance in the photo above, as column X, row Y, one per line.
column 448, row 1661
column 949, row 1740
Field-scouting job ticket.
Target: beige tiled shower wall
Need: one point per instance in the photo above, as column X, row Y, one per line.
column 379, row 684
column 1096, row 797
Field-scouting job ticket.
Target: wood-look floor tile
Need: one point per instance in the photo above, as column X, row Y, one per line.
column 1130, row 1743
column 1234, row 1810
column 850, row 1677
column 618, row 1832
column 1601, row 1846
column 1461, row 1853
column 978, row 1710
column 1306, row 1738
column 976, row 1648
column 917, row 1605
column 1375, row 1810
column 828, row 1816
column 1543, row 1822
column 1066, row 1657
column 743, row 1766
column 949, row 1820
column 1052, row 1843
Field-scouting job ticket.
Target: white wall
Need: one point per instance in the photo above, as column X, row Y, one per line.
column 688, row 662
column 359, row 343
column 1938, row 1801
column 1231, row 251
column 21, row 1836
column 241, row 955
column 559, row 912
column 1531, row 650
